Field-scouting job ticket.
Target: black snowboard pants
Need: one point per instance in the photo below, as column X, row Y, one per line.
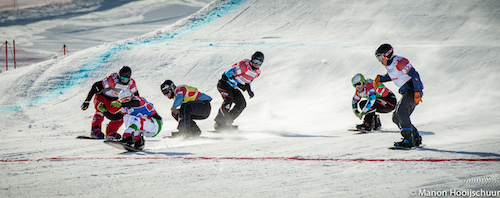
column 190, row 111
column 381, row 105
column 226, row 114
column 401, row 115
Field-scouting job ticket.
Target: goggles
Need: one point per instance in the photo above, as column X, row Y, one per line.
column 125, row 79
column 357, row 84
column 380, row 57
column 123, row 100
column 256, row 61
column 166, row 91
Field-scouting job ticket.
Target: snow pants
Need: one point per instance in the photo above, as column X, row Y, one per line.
column 112, row 113
column 401, row 116
column 190, row 111
column 381, row 105
column 149, row 127
column 226, row 115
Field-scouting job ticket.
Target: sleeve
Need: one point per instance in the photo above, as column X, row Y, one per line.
column 384, row 78
column 417, row 84
column 132, row 103
column 96, row 88
column 371, row 101
column 230, row 74
column 355, row 100
column 178, row 100
column 204, row 97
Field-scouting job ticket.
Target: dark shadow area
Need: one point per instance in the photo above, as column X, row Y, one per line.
column 422, row 133
column 480, row 154
column 146, row 152
column 67, row 10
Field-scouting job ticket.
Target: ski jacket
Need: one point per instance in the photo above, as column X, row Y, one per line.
column 370, row 93
column 402, row 73
column 110, row 87
column 184, row 94
column 139, row 107
column 241, row 73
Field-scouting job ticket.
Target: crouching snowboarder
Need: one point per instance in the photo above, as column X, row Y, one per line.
column 379, row 99
column 189, row 105
column 140, row 117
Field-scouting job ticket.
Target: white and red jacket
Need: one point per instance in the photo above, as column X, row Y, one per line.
column 370, row 93
column 401, row 72
column 241, row 73
column 112, row 86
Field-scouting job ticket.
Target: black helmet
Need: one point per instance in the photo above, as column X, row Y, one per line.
column 385, row 50
column 125, row 71
column 167, row 86
column 258, row 58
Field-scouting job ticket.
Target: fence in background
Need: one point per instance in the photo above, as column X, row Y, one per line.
column 15, row 56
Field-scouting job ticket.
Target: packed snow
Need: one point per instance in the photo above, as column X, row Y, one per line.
column 293, row 139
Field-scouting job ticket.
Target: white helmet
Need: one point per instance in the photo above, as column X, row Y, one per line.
column 357, row 80
column 124, row 96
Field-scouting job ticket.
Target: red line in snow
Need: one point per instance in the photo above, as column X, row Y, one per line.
column 257, row 158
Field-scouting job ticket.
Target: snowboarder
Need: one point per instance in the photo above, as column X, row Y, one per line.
column 379, row 99
column 402, row 73
column 140, row 117
column 105, row 92
column 189, row 105
column 239, row 76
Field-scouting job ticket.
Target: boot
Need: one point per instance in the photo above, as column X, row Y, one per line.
column 128, row 141
column 408, row 140
column 96, row 133
column 417, row 138
column 368, row 124
column 193, row 130
column 139, row 144
column 113, row 135
column 404, row 143
column 363, row 127
column 377, row 123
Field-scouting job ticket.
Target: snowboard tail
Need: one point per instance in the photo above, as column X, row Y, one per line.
column 120, row 145
column 359, row 131
column 88, row 137
column 405, row 148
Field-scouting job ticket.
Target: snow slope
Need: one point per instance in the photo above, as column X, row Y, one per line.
column 293, row 140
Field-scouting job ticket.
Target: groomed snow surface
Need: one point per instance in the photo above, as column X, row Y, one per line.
column 293, row 139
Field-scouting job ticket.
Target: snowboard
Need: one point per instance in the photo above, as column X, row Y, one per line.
column 359, row 131
column 176, row 135
column 405, row 148
column 88, row 137
column 223, row 130
column 120, row 145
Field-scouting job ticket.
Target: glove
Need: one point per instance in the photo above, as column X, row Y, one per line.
column 85, row 105
column 174, row 110
column 242, row 86
column 376, row 82
column 101, row 107
column 116, row 104
column 250, row 93
column 358, row 114
column 417, row 97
